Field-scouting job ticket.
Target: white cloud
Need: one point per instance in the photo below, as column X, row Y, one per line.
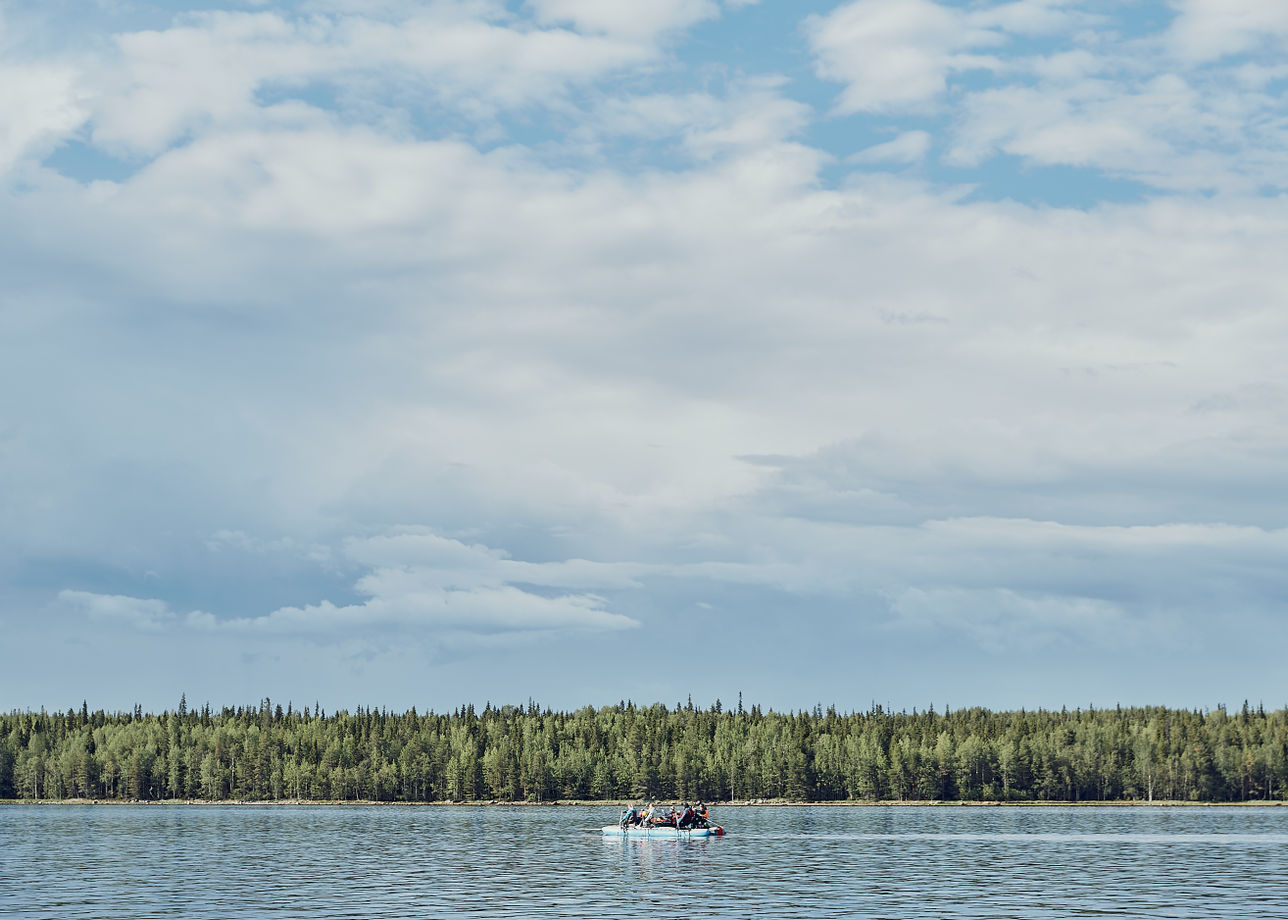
column 625, row 17
column 634, row 337
column 490, row 64
column 478, row 610
column 417, row 582
column 144, row 614
column 1004, row 583
column 1007, row 584
column 1163, row 129
column 908, row 147
column 415, row 559
column 1034, row 17
column 1188, row 108
column 39, row 108
column 894, row 54
column 1205, row 30
column 1092, row 124
column 898, row 55
column 320, row 324
column 208, row 70
column 754, row 120
column 750, row 115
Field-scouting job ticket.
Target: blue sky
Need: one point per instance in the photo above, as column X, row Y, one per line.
column 396, row 353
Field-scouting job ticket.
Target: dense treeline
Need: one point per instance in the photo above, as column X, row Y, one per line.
column 628, row 751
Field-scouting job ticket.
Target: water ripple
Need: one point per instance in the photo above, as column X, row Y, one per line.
column 108, row 862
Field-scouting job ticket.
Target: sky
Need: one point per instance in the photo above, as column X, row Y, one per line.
column 392, row 353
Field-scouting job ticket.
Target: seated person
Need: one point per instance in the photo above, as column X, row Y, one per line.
column 665, row 820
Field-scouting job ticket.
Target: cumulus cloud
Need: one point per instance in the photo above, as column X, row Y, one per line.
column 1164, row 130
column 1036, row 17
column 417, row 578
column 1205, row 30
column 145, row 614
column 1192, row 107
column 876, row 379
column 230, row 70
column 414, row 559
column 330, row 359
column 1018, row 582
column 1092, row 124
column 416, row 581
column 894, row 54
column 624, row 17
column 897, row 55
column 41, row 107
column 163, row 85
column 749, row 115
column 480, row 610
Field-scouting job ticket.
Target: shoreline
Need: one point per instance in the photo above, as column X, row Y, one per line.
column 619, row 803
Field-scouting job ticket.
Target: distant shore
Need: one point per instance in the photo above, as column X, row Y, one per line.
column 621, row 803
column 1147, row 755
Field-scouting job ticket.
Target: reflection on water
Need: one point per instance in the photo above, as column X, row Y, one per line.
column 888, row 862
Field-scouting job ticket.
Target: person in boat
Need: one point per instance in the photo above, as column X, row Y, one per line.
column 700, row 816
column 663, row 820
column 632, row 817
column 687, row 817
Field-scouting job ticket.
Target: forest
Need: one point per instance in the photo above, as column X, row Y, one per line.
column 625, row 751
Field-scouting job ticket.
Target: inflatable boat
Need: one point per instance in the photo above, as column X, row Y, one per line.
column 616, row 830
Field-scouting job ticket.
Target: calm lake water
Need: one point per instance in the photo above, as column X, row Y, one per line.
column 407, row 862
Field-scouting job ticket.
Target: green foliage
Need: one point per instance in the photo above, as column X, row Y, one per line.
column 517, row 753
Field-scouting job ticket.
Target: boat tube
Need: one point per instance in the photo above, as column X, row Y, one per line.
column 616, row 830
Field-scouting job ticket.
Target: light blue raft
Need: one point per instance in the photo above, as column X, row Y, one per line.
column 616, row 830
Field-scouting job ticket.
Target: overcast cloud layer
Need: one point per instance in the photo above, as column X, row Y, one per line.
column 418, row 353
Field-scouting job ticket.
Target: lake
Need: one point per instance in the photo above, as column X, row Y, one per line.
column 120, row 861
